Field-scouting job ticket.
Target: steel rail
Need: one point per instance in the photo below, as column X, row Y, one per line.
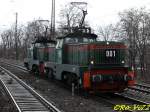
column 47, row 104
column 143, row 85
column 137, row 92
column 8, row 92
column 139, row 89
column 131, row 98
column 17, row 66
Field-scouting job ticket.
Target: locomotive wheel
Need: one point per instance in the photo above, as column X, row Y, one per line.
column 50, row 74
column 27, row 66
column 35, row 70
column 72, row 79
column 64, row 78
column 69, row 78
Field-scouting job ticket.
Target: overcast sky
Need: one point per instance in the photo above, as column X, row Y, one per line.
column 100, row 12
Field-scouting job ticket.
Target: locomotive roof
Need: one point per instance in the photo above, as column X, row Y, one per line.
column 79, row 35
column 110, row 42
column 43, row 40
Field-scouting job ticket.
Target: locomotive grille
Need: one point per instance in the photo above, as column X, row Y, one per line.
column 108, row 56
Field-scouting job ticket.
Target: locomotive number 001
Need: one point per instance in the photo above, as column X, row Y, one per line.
column 110, row 53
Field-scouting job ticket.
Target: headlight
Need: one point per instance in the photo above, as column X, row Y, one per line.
column 122, row 62
column 92, row 62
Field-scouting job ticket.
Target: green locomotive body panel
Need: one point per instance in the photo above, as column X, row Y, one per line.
column 40, row 52
column 77, row 54
column 50, row 54
column 101, row 53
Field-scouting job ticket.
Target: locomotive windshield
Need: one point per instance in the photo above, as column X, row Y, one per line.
column 79, row 40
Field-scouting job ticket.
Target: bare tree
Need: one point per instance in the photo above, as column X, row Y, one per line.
column 7, row 41
column 111, row 32
column 71, row 16
column 136, row 24
column 106, row 33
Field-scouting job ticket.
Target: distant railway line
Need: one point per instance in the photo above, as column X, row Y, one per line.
column 23, row 96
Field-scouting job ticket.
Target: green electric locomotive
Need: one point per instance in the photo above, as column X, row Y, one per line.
column 80, row 59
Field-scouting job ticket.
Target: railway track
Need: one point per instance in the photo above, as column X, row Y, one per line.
column 15, row 65
column 23, row 96
column 105, row 107
column 143, row 86
column 139, row 94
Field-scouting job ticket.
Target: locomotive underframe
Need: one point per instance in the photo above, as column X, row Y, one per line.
column 100, row 78
column 109, row 82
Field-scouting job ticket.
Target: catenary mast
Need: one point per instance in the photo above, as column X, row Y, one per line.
column 52, row 28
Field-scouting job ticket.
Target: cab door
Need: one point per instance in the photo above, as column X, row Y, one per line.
column 30, row 57
column 59, row 51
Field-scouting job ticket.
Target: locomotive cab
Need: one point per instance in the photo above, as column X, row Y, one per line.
column 38, row 54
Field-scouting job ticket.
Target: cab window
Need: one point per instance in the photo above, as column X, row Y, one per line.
column 79, row 40
column 71, row 40
column 59, row 43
